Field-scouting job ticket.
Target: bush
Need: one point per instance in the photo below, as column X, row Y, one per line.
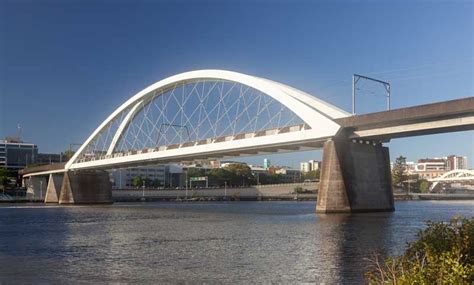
column 442, row 254
column 298, row 189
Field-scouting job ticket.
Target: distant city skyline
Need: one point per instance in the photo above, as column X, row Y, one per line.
column 61, row 76
column 317, row 155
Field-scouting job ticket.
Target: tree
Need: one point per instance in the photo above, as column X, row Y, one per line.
column 271, row 178
column 241, row 173
column 146, row 181
column 219, row 176
column 399, row 171
column 442, row 254
column 3, row 176
column 137, row 181
column 195, row 172
column 68, row 154
column 156, row 183
column 311, row 175
column 424, row 186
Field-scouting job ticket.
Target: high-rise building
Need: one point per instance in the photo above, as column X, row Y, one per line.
column 315, row 164
column 16, row 154
column 454, row 162
column 266, row 163
column 305, row 167
column 311, row 165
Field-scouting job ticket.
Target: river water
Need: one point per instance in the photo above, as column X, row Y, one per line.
column 235, row 242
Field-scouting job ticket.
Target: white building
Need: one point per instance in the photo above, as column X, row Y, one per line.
column 305, row 167
column 311, row 165
column 162, row 175
column 314, row 164
column 454, row 162
column 266, row 163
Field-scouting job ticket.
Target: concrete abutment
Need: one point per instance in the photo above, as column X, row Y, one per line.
column 86, row 187
column 54, row 188
column 36, row 187
column 355, row 177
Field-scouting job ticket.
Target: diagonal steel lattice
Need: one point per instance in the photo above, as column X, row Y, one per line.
column 191, row 112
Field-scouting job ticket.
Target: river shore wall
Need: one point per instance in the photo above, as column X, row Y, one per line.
column 308, row 191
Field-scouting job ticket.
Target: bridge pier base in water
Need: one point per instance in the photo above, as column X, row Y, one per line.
column 355, row 177
column 86, row 187
column 54, row 188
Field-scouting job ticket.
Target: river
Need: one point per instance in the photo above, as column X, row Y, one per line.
column 234, row 242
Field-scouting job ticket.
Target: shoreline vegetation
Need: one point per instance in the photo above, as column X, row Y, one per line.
column 442, row 254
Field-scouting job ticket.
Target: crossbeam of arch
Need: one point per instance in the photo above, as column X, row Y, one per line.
column 315, row 113
column 452, row 176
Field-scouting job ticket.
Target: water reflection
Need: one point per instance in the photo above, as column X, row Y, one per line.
column 210, row 242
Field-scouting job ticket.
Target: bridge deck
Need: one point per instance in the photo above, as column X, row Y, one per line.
column 448, row 116
column 49, row 168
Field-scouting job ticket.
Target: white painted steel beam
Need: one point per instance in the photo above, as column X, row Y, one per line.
column 123, row 125
column 317, row 114
column 270, row 143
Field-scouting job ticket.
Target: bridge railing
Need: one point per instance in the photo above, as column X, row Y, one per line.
column 102, row 154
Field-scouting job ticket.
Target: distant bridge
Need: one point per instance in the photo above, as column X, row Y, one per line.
column 211, row 114
column 457, row 175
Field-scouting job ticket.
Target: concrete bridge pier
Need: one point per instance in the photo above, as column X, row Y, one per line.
column 54, row 188
column 355, row 177
column 36, row 187
column 86, row 187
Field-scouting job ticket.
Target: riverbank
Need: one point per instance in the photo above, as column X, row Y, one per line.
column 275, row 193
column 247, row 194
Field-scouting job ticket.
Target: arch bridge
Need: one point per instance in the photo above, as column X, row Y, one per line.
column 457, row 175
column 211, row 114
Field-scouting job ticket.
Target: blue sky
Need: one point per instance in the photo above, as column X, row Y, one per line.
column 66, row 65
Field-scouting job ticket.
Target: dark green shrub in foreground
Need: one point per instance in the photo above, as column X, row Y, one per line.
column 442, row 254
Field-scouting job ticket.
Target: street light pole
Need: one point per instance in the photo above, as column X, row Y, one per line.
column 225, row 190
column 186, row 194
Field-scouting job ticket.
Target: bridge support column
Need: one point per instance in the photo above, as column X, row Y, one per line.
column 54, row 188
column 36, row 187
column 86, row 187
column 355, row 177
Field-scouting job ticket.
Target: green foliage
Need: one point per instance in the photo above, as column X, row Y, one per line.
column 68, row 154
column 195, row 172
column 219, row 176
column 239, row 169
column 424, row 186
column 3, row 176
column 148, row 181
column 271, row 178
column 137, row 181
column 443, row 254
column 399, row 170
column 156, row 183
column 241, row 173
column 314, row 174
column 233, row 174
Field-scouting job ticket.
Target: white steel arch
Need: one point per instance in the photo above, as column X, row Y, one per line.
column 452, row 176
column 317, row 114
